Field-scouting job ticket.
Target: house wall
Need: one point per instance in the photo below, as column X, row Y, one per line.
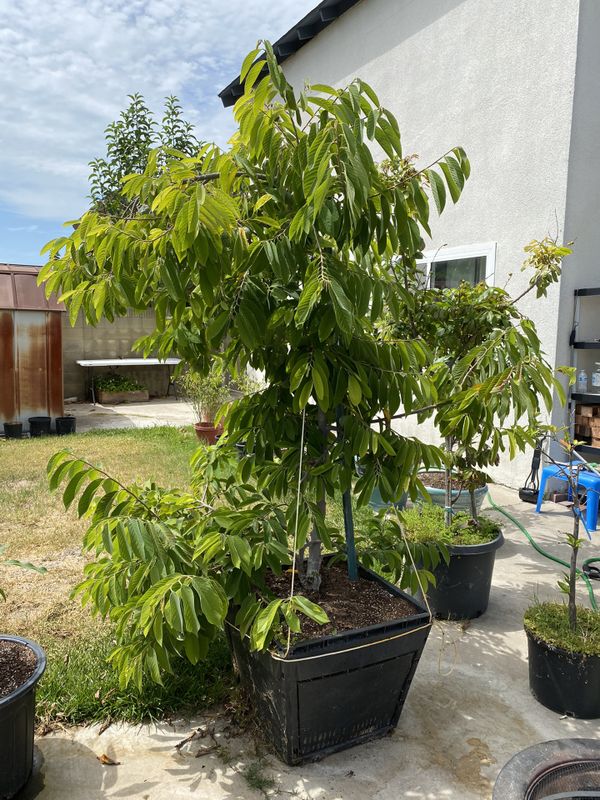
column 494, row 77
column 108, row 340
column 582, row 224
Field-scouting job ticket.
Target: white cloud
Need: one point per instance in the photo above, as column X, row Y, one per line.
column 67, row 66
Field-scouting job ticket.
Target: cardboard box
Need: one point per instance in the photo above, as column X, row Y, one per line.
column 587, row 411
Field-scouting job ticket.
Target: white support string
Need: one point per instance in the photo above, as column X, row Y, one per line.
column 295, row 545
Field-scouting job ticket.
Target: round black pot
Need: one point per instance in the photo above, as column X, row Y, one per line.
column 39, row 426
column 17, row 718
column 13, row 430
column 65, row 425
column 462, row 589
column 568, row 683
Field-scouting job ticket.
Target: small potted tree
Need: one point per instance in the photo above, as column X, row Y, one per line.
column 206, row 394
column 564, row 639
column 22, row 664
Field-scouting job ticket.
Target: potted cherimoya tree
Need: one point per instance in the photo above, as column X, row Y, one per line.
column 564, row 638
column 273, row 255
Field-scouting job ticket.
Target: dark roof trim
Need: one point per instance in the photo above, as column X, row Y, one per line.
column 19, row 290
column 302, row 32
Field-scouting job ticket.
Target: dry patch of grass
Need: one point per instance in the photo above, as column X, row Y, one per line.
column 36, row 527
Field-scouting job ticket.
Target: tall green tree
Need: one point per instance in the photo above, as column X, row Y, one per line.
column 129, row 142
column 275, row 254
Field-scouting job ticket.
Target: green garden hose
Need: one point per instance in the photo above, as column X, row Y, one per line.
column 544, row 553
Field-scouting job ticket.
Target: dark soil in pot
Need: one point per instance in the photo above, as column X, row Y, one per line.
column 437, row 480
column 348, row 604
column 340, row 689
column 17, row 664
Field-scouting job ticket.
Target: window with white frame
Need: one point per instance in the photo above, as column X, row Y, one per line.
column 447, row 267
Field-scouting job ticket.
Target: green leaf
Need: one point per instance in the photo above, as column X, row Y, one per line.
column 262, row 628
column 354, row 390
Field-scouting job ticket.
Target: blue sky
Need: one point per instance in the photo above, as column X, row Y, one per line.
column 66, row 68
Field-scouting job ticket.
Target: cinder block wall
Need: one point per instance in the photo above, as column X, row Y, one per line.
column 108, row 340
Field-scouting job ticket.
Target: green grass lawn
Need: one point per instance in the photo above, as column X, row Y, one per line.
column 78, row 684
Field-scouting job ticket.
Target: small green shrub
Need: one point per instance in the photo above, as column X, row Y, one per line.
column 550, row 623
column 425, row 524
column 111, row 382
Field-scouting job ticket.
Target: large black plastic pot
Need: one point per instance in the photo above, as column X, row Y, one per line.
column 568, row 683
column 39, row 426
column 462, row 589
column 13, row 430
column 65, row 425
column 17, row 718
column 332, row 693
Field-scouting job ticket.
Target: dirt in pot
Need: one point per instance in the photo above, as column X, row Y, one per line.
column 437, row 480
column 348, row 604
column 17, row 664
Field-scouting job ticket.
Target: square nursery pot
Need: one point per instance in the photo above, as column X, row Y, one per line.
column 17, row 724
column 114, row 398
column 335, row 692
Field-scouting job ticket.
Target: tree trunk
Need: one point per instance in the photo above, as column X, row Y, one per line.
column 448, row 486
column 574, row 548
column 312, row 578
column 473, row 504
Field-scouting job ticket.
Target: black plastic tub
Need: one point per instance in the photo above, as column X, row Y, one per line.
column 332, row 693
column 65, row 425
column 568, row 683
column 13, row 430
column 17, row 719
column 462, row 589
column 39, row 426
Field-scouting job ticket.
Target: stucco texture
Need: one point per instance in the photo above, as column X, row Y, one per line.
column 496, row 78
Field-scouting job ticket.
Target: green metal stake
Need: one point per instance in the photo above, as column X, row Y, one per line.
column 348, row 514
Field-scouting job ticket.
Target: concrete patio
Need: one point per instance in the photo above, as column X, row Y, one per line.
column 469, row 710
column 158, row 411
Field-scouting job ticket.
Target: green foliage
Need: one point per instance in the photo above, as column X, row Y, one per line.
column 205, row 393
column 112, row 382
column 129, row 142
column 425, row 524
column 545, row 258
column 12, row 562
column 550, row 623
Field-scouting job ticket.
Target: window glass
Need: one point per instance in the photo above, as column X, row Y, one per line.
column 449, row 274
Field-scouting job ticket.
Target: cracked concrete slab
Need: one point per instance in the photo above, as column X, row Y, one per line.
column 468, row 711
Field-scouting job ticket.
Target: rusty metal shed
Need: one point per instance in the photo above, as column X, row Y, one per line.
column 31, row 373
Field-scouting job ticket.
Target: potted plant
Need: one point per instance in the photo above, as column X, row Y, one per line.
column 462, row 578
column 206, row 394
column 22, row 664
column 112, row 388
column 563, row 640
column 278, row 255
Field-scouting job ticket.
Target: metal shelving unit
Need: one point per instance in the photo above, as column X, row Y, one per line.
column 584, row 398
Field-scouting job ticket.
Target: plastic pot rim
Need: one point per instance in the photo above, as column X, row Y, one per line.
column 558, row 650
column 37, row 673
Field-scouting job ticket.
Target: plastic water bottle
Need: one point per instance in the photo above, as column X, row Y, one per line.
column 596, row 378
column 582, row 381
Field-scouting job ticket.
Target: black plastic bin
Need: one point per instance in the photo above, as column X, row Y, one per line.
column 462, row 589
column 13, row 430
column 335, row 692
column 39, row 426
column 17, row 722
column 65, row 425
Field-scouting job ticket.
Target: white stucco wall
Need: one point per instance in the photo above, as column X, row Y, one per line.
column 494, row 77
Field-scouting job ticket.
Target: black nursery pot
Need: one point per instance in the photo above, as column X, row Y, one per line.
column 462, row 589
column 17, row 718
column 39, row 426
column 335, row 692
column 13, row 430
column 568, row 683
column 65, row 425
